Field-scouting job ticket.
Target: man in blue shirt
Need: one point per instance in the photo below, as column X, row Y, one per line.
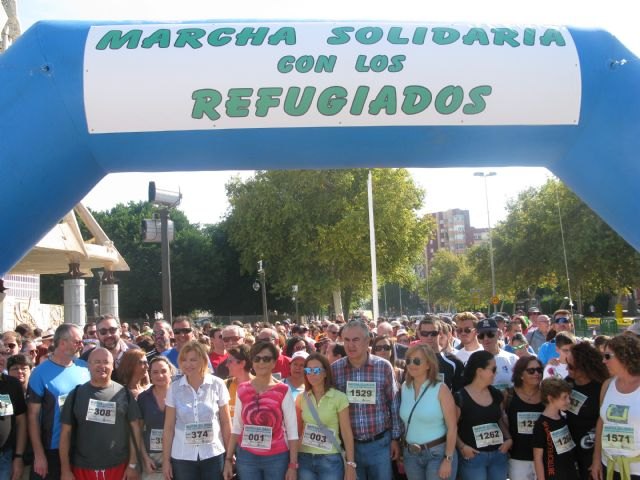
column 562, row 322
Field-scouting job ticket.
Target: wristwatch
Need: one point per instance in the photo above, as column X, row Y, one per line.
column 449, row 458
column 133, row 465
column 352, row 464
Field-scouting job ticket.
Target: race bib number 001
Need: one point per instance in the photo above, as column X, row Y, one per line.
column 361, row 392
column 101, row 412
column 526, row 421
column 255, row 436
column 155, row 440
column 487, row 435
column 313, row 437
column 562, row 440
column 198, row 433
column 618, row 437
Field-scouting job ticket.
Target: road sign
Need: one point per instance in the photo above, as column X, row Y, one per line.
column 495, row 300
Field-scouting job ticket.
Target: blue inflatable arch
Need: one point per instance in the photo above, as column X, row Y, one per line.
column 81, row 100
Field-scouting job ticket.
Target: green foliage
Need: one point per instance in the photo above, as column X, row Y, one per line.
column 311, row 228
column 450, row 281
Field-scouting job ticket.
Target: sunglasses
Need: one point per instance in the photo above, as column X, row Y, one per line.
column 488, row 335
column 182, row 331
column 562, row 320
column 416, row 361
column 108, row 331
column 533, row 370
column 91, row 332
column 429, row 334
column 263, row 358
column 313, row 371
column 380, row 348
column 608, row 355
column 230, row 339
column 299, row 348
column 493, row 369
column 465, row 330
column 520, row 347
column 11, row 346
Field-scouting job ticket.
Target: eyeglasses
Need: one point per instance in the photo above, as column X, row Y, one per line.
column 11, row 346
column 416, row 361
column 182, row 331
column 263, row 358
column 313, row 371
column 380, row 348
column 332, row 332
column 465, row 330
column 108, row 331
column 608, row 355
column 487, row 334
column 230, row 339
column 493, row 369
column 299, row 348
column 91, row 332
column 533, row 370
column 562, row 320
column 143, row 361
column 429, row 334
column 76, row 342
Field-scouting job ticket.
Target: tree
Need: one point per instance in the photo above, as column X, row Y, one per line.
column 310, row 228
column 450, row 281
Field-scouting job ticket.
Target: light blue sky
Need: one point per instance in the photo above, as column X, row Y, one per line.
column 204, row 194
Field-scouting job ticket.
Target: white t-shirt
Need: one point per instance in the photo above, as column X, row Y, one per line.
column 558, row 371
column 464, row 354
column 504, row 369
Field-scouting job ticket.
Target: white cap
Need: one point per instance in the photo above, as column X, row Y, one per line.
column 299, row 354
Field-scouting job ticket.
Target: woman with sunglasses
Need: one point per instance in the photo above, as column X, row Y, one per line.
column 152, row 408
column 483, row 436
column 428, row 412
column 320, row 453
column 133, row 371
column 197, row 424
column 240, row 367
column 264, row 421
column 587, row 373
column 618, row 428
column 523, row 406
column 384, row 346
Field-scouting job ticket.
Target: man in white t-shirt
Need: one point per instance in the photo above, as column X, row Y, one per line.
column 488, row 334
column 466, row 327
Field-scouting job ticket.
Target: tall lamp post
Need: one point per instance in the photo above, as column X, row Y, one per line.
column 294, row 290
column 263, row 282
column 493, row 271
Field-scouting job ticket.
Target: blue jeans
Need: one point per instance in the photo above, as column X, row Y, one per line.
column 374, row 459
column 425, row 465
column 6, row 464
column 261, row 467
column 328, row 466
column 485, row 466
column 208, row 469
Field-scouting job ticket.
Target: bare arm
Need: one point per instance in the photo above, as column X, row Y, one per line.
column 225, row 424
column 231, row 449
column 65, row 451
column 167, row 440
column 451, row 421
column 33, row 419
column 21, row 443
column 537, row 462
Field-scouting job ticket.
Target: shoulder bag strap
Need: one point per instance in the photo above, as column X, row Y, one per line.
column 414, row 407
column 325, row 430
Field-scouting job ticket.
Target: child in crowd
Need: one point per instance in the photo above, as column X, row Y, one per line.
column 564, row 341
column 553, row 446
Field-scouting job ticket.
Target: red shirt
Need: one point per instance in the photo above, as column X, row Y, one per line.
column 283, row 366
column 216, row 358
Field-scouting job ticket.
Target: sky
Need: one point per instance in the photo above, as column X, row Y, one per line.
column 204, row 198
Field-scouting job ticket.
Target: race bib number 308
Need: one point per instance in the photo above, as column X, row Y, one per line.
column 101, row 412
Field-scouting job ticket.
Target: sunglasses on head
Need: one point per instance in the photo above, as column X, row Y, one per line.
column 415, row 360
column 380, row 348
column 533, row 370
column 262, row 358
column 313, row 371
column 182, row 331
column 108, row 331
column 486, row 334
column 465, row 330
column 424, row 333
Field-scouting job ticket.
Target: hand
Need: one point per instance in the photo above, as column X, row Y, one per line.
column 349, row 473
column 18, row 468
column 444, row 471
column 67, row 475
column 227, row 473
column 291, row 474
column 40, row 465
column 596, row 471
column 168, row 471
column 131, row 474
column 149, row 464
column 468, row 452
column 395, row 450
column 554, row 361
column 506, row 446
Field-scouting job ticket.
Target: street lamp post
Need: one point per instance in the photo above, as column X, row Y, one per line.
column 493, row 271
column 294, row 289
column 263, row 283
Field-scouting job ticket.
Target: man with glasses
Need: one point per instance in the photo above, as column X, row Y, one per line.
column 537, row 334
column 386, row 328
column 374, row 403
column 466, row 322
column 489, row 334
column 561, row 323
column 282, row 369
column 332, row 332
column 109, row 335
column 49, row 385
column 218, row 354
column 183, row 334
column 451, row 368
column 162, row 335
column 232, row 337
column 12, row 342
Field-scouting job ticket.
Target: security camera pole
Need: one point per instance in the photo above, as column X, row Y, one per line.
column 165, row 199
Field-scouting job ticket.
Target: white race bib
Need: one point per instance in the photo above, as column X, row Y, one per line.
column 255, row 436
column 361, row 392
column 198, row 433
column 526, row 421
column 61, row 400
column 101, row 412
column 313, row 437
column 577, row 400
column 618, row 437
column 487, row 435
column 6, row 407
column 562, row 440
column 155, row 440
column 441, row 377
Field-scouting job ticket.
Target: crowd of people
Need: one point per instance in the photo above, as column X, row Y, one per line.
column 463, row 396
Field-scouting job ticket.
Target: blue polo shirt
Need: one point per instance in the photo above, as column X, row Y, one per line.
column 548, row 351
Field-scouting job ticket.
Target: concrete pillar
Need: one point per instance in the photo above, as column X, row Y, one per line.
column 109, row 299
column 75, row 309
